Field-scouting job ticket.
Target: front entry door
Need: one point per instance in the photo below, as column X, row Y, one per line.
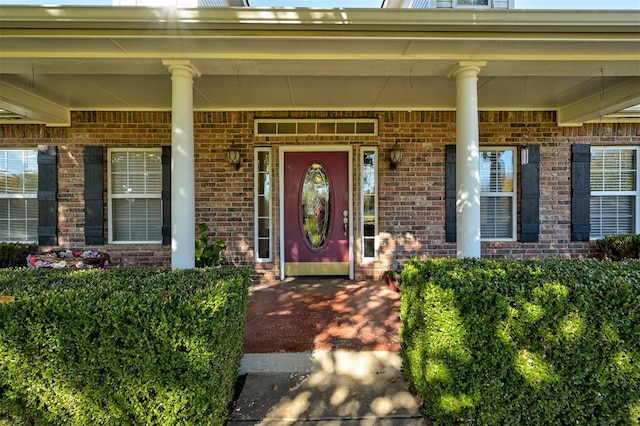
column 316, row 213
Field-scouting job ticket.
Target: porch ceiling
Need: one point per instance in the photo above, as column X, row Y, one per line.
column 55, row 60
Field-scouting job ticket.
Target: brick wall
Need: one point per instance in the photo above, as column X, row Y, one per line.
column 411, row 198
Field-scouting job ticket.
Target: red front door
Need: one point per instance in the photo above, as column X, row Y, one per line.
column 316, row 213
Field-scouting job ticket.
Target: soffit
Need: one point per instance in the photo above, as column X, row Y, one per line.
column 327, row 59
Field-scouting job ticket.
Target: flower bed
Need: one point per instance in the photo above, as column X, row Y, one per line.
column 67, row 258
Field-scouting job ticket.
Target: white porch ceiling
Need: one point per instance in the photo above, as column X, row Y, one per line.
column 55, row 60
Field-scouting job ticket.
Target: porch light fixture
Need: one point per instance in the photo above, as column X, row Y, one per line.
column 233, row 156
column 395, row 156
column 524, row 155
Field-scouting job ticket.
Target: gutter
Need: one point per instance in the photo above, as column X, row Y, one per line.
column 286, row 19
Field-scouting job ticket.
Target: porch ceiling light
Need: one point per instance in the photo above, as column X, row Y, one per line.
column 233, row 156
column 395, row 156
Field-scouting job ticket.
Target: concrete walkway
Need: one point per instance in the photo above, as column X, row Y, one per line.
column 325, row 388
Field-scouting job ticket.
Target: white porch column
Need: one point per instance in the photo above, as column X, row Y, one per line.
column 183, row 228
column 467, row 159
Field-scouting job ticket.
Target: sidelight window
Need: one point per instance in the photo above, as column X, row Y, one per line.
column 262, row 203
column 369, row 203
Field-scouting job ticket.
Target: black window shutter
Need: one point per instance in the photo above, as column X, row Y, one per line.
column 580, row 192
column 47, row 195
column 450, row 193
column 530, row 203
column 93, row 195
column 166, row 195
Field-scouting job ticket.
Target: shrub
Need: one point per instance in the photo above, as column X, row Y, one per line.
column 531, row 342
column 14, row 255
column 208, row 253
column 121, row 346
column 618, row 247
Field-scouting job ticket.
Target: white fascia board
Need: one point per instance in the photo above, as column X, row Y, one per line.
column 32, row 107
column 592, row 107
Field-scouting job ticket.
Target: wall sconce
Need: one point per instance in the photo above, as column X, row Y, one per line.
column 233, row 156
column 524, row 155
column 395, row 156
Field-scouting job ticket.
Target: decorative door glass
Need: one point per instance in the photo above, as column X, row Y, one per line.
column 316, row 206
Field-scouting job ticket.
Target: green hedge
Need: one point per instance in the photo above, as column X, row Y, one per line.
column 530, row 342
column 120, row 347
column 14, row 255
column 618, row 247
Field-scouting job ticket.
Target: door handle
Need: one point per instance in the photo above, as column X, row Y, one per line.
column 345, row 221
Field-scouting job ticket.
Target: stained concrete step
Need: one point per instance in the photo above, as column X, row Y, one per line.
column 330, row 388
column 311, row 398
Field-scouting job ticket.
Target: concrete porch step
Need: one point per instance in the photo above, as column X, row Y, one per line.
column 325, row 388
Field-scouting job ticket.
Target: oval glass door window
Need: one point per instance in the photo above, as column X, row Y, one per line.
column 316, row 205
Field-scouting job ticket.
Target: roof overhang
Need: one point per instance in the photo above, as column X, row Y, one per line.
column 57, row 59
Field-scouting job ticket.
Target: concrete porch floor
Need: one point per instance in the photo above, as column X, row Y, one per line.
column 321, row 314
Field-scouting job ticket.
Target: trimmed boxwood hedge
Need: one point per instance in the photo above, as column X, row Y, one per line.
column 618, row 247
column 122, row 346
column 526, row 342
column 14, row 255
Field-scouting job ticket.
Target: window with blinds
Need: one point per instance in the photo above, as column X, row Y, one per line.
column 498, row 194
column 614, row 191
column 19, row 195
column 135, row 195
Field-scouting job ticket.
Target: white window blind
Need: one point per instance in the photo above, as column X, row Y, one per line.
column 135, row 190
column 614, row 187
column 18, row 195
column 497, row 196
column 496, row 218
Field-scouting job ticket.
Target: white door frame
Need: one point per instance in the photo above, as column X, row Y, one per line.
column 307, row 148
